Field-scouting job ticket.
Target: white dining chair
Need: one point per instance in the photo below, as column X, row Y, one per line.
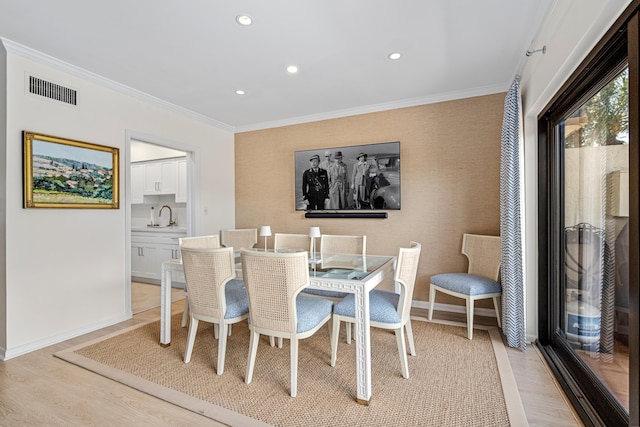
column 292, row 241
column 387, row 310
column 479, row 282
column 239, row 238
column 274, row 282
column 212, row 241
column 214, row 296
column 339, row 244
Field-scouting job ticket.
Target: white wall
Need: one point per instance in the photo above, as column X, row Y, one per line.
column 3, row 198
column 571, row 30
column 66, row 268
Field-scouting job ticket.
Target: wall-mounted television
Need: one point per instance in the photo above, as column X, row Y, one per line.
column 356, row 177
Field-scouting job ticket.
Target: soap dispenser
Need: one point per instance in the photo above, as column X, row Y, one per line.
column 152, row 217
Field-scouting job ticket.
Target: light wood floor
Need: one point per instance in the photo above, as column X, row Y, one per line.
column 545, row 404
column 611, row 370
column 39, row 389
column 145, row 296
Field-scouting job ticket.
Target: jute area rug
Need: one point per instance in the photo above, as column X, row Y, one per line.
column 453, row 381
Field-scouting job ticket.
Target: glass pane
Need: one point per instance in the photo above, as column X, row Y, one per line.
column 596, row 206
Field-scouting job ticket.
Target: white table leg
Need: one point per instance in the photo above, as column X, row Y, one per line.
column 363, row 346
column 165, row 306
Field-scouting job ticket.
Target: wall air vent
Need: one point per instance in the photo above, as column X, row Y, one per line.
column 52, row 90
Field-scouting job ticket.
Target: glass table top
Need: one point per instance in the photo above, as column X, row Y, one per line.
column 336, row 266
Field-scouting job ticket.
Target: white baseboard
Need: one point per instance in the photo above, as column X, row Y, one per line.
column 37, row 345
column 486, row 312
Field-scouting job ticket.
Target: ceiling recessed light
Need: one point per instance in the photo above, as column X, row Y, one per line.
column 244, row 19
column 240, row 92
column 292, row 69
column 394, row 55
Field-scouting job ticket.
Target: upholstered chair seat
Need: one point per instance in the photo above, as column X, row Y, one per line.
column 215, row 295
column 383, row 307
column 387, row 310
column 274, row 281
column 479, row 282
column 468, row 284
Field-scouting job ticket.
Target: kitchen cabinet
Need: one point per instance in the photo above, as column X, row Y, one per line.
column 143, row 260
column 181, row 187
column 137, row 183
column 149, row 249
column 160, row 177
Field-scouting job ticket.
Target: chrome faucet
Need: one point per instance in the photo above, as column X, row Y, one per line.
column 171, row 221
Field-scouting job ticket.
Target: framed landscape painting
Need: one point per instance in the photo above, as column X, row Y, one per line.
column 63, row 173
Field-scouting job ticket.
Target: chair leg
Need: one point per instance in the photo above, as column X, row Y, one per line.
column 185, row 313
column 272, row 341
column 402, row 350
column 253, row 349
column 412, row 346
column 222, row 348
column 496, row 306
column 335, row 334
column 216, row 331
column 470, row 317
column 191, row 338
column 348, row 325
column 294, row 366
column 432, row 300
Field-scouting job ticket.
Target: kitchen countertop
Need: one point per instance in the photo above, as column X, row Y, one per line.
column 163, row 229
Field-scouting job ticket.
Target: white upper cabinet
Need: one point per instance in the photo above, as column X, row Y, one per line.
column 161, row 177
column 181, row 191
column 137, row 183
column 158, row 178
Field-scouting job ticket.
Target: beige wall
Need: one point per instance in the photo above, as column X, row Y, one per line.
column 450, row 155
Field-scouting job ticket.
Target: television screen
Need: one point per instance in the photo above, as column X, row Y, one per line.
column 358, row 177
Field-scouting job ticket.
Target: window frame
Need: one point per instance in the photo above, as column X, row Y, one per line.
column 618, row 48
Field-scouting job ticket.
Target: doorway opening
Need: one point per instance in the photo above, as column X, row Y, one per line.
column 159, row 212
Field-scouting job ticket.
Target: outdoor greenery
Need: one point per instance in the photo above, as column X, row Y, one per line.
column 604, row 118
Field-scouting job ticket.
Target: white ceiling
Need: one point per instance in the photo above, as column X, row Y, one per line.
column 193, row 53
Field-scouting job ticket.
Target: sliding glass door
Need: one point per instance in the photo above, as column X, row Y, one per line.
column 594, row 315
column 589, row 230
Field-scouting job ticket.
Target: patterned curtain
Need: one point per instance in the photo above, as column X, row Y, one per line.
column 511, row 220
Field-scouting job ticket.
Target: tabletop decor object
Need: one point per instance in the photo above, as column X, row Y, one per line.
column 314, row 232
column 265, row 231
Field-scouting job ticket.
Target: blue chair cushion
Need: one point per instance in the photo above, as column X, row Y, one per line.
column 383, row 307
column 237, row 302
column 326, row 294
column 311, row 311
column 467, row 284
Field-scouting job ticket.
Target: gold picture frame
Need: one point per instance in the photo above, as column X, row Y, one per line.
column 63, row 173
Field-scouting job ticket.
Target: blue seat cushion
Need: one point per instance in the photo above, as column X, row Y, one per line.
column 467, row 284
column 311, row 311
column 326, row 294
column 383, row 307
column 237, row 302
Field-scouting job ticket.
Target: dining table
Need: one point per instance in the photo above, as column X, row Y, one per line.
column 350, row 273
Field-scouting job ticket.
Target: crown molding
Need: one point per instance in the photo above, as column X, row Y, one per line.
column 34, row 55
column 374, row 108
